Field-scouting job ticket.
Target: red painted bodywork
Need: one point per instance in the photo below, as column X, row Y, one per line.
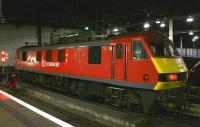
column 76, row 63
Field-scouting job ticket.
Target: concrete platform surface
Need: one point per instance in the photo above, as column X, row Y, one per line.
column 92, row 111
column 15, row 114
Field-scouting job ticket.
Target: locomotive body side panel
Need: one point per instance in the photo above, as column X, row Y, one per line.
column 76, row 63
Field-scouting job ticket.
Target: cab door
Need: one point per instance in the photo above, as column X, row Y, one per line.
column 120, row 61
column 140, row 66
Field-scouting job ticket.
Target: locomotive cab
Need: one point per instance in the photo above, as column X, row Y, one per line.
column 172, row 72
column 149, row 61
column 150, row 64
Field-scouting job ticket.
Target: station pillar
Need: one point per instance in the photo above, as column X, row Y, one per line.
column 181, row 42
column 171, row 29
column 1, row 10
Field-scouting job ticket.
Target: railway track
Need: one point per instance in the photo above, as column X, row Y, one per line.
column 194, row 93
column 163, row 119
column 182, row 118
column 174, row 120
column 193, row 112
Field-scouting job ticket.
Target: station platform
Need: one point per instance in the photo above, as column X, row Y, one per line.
column 17, row 113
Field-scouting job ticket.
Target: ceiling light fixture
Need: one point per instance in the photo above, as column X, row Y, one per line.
column 196, row 37
column 162, row 25
column 191, row 33
column 157, row 21
column 86, row 28
column 115, row 29
column 190, row 19
column 146, row 25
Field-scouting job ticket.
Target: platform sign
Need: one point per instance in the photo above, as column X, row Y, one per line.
column 3, row 58
column 189, row 52
column 198, row 53
column 195, row 53
column 183, row 52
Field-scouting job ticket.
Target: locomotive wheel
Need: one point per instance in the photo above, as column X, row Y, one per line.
column 73, row 87
column 82, row 89
column 66, row 86
column 133, row 101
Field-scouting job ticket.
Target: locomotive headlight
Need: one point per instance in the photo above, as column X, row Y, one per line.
column 172, row 77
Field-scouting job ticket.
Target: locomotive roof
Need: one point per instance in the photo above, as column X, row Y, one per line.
column 145, row 35
column 68, row 45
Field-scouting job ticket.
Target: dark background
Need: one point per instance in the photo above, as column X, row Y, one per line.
column 102, row 14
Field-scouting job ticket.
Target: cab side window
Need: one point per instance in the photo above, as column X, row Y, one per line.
column 138, row 51
column 119, row 48
column 23, row 55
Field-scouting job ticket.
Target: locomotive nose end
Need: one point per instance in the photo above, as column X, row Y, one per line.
column 169, row 85
column 169, row 65
column 172, row 73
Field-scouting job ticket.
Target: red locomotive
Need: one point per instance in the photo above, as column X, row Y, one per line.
column 131, row 70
